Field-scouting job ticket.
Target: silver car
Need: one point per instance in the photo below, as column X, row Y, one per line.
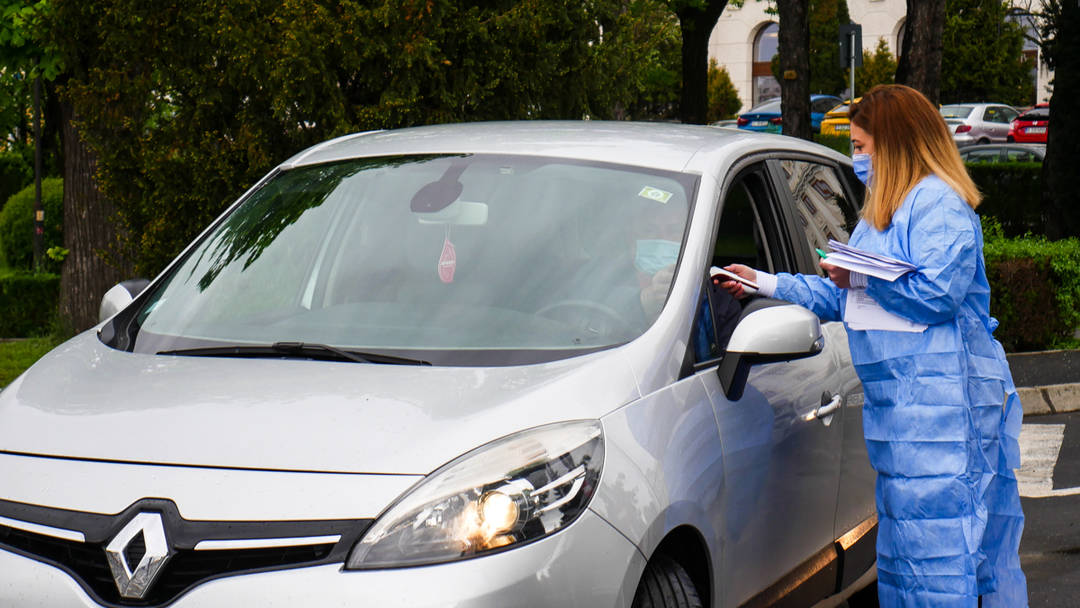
column 461, row 365
column 978, row 123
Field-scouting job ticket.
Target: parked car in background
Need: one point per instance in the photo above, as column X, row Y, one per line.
column 1003, row 153
column 766, row 115
column 1032, row 126
column 836, row 121
column 978, row 123
column 461, row 365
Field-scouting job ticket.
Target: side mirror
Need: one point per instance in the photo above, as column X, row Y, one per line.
column 119, row 296
column 775, row 333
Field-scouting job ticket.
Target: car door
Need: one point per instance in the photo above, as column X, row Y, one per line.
column 781, row 462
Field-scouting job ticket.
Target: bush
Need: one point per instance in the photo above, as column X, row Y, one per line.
column 1034, row 289
column 29, row 302
column 17, row 226
column 1012, row 193
column 15, row 173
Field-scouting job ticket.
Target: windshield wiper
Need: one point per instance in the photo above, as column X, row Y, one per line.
column 296, row 349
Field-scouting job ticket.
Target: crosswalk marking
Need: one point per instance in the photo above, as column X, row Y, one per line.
column 1039, row 448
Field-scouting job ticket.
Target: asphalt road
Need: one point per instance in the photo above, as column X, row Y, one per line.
column 1050, row 494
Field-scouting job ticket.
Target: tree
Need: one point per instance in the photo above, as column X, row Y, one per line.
column 187, row 106
column 826, row 73
column 794, row 40
column 920, row 57
column 982, row 57
column 1060, row 30
column 877, row 68
column 697, row 18
column 724, row 100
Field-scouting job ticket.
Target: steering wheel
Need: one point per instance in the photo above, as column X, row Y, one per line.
column 615, row 321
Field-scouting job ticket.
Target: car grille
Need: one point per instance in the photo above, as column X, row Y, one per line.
column 186, row 568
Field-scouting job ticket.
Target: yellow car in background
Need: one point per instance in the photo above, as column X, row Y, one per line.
column 836, row 121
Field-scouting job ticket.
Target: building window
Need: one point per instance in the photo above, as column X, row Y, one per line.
column 766, row 44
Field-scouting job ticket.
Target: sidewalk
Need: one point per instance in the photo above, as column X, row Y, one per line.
column 1048, row 382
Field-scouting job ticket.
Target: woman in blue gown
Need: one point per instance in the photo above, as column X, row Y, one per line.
column 941, row 417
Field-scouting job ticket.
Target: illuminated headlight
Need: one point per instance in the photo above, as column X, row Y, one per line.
column 511, row 491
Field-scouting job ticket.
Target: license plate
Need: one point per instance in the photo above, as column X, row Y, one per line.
column 840, row 127
column 759, row 123
column 1035, row 130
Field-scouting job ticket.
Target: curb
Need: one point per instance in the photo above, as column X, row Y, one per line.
column 1049, row 399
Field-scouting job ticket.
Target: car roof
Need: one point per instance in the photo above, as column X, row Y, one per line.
column 664, row 146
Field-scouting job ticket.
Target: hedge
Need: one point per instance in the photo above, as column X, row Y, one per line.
column 1034, row 289
column 29, row 301
column 17, row 225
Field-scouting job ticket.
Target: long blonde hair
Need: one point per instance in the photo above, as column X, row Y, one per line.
column 911, row 141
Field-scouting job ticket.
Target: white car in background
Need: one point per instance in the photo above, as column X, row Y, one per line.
column 979, row 123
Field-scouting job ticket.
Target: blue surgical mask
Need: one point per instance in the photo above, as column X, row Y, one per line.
column 864, row 168
column 655, row 254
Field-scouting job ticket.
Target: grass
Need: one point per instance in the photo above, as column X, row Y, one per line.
column 17, row 355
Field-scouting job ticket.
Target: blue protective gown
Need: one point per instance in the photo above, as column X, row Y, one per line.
column 941, row 416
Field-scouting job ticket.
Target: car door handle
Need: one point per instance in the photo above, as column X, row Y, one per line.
column 829, row 407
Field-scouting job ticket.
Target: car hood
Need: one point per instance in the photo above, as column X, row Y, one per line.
column 86, row 400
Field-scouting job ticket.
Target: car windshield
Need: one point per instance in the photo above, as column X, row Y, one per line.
column 771, row 107
column 955, row 111
column 454, row 259
column 1036, row 114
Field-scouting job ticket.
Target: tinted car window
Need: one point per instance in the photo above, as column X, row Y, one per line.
column 1021, row 155
column 823, row 105
column 1036, row 114
column 984, row 155
column 824, row 210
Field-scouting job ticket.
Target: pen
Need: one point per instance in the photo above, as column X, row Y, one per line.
column 822, row 254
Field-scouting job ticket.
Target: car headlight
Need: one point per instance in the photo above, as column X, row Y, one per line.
column 511, row 491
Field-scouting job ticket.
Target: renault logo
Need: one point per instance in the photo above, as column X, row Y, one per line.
column 137, row 553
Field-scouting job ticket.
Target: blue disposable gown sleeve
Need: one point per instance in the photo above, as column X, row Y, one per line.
column 818, row 294
column 942, row 245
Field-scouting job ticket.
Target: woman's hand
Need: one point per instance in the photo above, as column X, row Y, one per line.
column 735, row 288
column 841, row 277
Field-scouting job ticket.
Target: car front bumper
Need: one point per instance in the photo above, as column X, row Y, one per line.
column 587, row 564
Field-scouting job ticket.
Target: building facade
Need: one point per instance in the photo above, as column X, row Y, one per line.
column 745, row 40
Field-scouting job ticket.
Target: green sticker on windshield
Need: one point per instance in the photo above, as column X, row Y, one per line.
column 655, row 194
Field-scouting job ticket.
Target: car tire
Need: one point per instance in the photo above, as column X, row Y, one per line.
column 1010, row 139
column 665, row 584
column 983, row 141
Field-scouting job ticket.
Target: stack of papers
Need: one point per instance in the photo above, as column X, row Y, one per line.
column 873, row 264
column 861, row 311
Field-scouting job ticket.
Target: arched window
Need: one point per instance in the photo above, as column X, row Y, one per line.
column 900, row 27
column 766, row 43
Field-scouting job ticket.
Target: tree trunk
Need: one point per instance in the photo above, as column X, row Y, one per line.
column 696, row 25
column 794, row 51
column 1061, row 181
column 920, row 56
column 89, row 233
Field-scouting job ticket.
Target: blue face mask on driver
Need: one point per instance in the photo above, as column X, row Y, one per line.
column 863, row 166
column 653, row 255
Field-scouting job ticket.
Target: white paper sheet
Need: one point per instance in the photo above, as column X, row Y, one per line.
column 864, row 313
column 868, row 263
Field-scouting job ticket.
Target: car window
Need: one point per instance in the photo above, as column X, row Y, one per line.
column 955, row 111
column 823, row 208
column 1010, row 114
column 982, row 155
column 431, row 256
column 1021, row 155
column 747, row 234
column 769, row 107
column 822, row 105
column 995, row 114
column 1036, row 114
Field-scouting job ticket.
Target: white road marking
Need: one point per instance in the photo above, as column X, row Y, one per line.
column 1040, row 445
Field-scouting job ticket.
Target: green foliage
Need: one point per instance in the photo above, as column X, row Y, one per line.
column 1012, row 194
column 15, row 173
column 188, row 105
column 982, row 57
column 1034, row 288
column 840, row 143
column 24, row 55
column 17, row 225
column 877, row 68
column 29, row 302
column 826, row 75
column 724, row 100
